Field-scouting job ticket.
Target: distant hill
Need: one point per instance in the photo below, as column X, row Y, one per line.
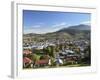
column 72, row 32
column 80, row 27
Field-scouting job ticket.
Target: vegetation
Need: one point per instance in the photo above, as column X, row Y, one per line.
column 76, row 41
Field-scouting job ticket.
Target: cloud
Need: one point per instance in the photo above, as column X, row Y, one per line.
column 32, row 31
column 38, row 31
column 86, row 22
column 60, row 24
column 41, row 29
column 36, row 26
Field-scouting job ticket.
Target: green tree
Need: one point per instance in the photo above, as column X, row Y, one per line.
column 87, row 58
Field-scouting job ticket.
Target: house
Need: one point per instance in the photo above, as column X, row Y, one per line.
column 26, row 62
column 27, row 47
column 40, row 47
column 27, row 51
column 43, row 62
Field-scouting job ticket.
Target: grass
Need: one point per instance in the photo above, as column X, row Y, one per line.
column 78, row 65
column 72, row 65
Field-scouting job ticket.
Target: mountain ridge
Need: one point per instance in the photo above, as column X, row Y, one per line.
column 71, row 32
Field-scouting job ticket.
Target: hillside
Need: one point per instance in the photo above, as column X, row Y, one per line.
column 72, row 32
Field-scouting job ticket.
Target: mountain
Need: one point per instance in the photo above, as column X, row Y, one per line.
column 80, row 27
column 77, row 31
column 72, row 32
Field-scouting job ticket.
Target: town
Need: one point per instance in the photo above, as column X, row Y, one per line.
column 53, row 53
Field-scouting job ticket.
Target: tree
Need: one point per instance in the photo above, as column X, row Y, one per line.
column 60, row 46
column 77, row 50
column 52, row 53
column 57, row 48
column 87, row 57
column 34, row 57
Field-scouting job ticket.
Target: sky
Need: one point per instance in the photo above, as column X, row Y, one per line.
column 41, row 22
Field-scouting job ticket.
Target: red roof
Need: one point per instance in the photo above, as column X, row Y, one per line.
column 27, row 52
column 27, row 60
column 42, row 62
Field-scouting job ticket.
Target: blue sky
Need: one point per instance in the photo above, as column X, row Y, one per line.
column 47, row 21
